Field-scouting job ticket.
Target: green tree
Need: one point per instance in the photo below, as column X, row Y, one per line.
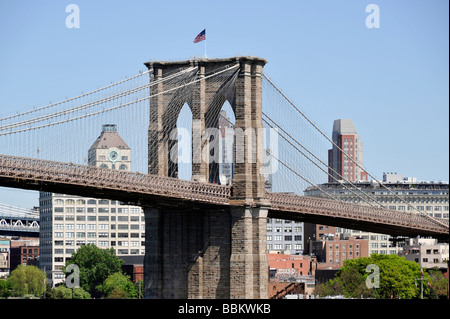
column 439, row 284
column 62, row 292
column 5, row 288
column 118, row 285
column 397, row 278
column 118, row 293
column 95, row 266
column 27, row 280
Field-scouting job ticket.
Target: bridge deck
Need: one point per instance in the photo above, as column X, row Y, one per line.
column 142, row 189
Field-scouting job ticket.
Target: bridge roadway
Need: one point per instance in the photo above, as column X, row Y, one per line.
column 147, row 190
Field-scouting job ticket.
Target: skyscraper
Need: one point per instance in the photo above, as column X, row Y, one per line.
column 345, row 159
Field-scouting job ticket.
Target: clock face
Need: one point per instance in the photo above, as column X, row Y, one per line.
column 113, row 156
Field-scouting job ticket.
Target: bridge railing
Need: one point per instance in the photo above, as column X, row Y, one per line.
column 70, row 173
column 34, row 170
column 331, row 208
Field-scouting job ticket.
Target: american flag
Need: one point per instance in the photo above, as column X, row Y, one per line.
column 200, row 37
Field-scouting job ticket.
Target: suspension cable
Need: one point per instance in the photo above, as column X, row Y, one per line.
column 354, row 162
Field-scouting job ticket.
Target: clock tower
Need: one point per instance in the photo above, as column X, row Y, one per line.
column 110, row 150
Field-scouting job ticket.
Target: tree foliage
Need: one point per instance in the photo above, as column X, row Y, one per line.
column 118, row 285
column 27, row 280
column 62, row 292
column 95, row 266
column 398, row 278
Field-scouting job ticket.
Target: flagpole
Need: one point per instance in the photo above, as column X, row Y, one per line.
column 205, row 45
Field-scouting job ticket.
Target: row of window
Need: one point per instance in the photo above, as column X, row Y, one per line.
column 94, row 226
column 122, row 167
column 286, row 238
column 281, row 221
column 98, row 243
column 344, row 246
column 59, row 201
column 344, row 254
column 285, row 229
column 95, row 235
column 284, row 246
column 99, row 218
column 96, row 210
column 421, row 208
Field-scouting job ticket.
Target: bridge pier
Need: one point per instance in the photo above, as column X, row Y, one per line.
column 205, row 254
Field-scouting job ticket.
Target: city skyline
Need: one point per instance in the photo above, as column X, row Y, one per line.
column 392, row 81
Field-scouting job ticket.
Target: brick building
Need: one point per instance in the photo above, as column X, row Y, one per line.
column 290, row 267
column 332, row 251
column 24, row 251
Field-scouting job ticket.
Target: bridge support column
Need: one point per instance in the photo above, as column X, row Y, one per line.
column 152, row 264
column 187, row 254
column 248, row 262
column 206, row 254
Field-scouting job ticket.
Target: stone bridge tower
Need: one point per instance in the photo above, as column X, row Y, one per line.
column 208, row 251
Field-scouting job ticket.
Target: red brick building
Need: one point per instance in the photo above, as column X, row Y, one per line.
column 24, row 251
column 284, row 267
column 332, row 251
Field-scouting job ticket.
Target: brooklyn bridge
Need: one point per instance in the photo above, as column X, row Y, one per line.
column 203, row 239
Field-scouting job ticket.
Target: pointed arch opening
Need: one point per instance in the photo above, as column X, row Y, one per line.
column 225, row 166
column 183, row 149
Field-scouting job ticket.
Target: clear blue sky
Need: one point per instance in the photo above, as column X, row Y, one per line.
column 391, row 81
